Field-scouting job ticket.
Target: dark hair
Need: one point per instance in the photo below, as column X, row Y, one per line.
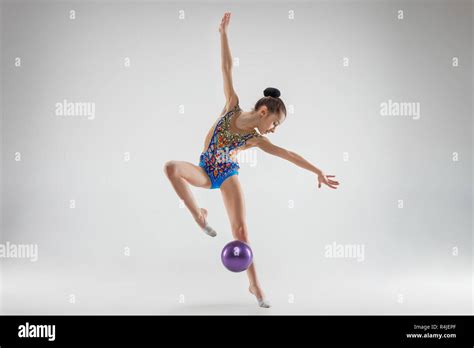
column 272, row 101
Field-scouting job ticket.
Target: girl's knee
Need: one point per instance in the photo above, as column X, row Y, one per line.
column 240, row 232
column 171, row 169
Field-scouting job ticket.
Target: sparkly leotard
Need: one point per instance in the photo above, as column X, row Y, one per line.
column 219, row 160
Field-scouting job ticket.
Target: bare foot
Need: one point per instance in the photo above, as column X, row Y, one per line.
column 255, row 290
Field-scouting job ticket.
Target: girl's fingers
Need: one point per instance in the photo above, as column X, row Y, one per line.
column 329, row 183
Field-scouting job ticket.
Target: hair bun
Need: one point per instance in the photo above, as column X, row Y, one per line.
column 271, row 92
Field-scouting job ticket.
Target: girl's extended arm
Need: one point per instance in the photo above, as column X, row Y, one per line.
column 266, row 145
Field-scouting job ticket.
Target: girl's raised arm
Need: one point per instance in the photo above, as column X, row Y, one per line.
column 226, row 64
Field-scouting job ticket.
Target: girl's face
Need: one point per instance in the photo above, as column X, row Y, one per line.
column 269, row 121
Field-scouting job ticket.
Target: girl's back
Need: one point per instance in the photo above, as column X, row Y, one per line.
column 207, row 140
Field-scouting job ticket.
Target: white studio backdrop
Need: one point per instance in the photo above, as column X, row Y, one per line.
column 378, row 93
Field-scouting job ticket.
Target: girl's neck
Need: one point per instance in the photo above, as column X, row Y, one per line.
column 247, row 121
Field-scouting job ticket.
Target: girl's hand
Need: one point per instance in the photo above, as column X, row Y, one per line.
column 323, row 179
column 224, row 23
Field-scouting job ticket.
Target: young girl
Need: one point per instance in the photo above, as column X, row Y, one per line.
column 235, row 130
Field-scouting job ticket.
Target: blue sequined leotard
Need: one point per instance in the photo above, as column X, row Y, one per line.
column 219, row 160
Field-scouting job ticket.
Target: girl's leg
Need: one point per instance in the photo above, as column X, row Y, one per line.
column 234, row 203
column 181, row 174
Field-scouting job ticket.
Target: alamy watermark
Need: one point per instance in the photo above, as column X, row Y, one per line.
column 21, row 251
column 346, row 251
column 67, row 108
column 246, row 156
column 28, row 330
column 407, row 109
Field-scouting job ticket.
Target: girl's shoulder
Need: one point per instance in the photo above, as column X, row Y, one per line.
column 233, row 107
column 229, row 108
column 232, row 104
column 255, row 139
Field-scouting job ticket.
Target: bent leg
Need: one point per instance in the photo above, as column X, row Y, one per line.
column 181, row 174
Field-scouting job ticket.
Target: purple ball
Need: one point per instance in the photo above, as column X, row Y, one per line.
column 237, row 256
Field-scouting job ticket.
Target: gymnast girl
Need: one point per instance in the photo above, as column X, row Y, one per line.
column 233, row 131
